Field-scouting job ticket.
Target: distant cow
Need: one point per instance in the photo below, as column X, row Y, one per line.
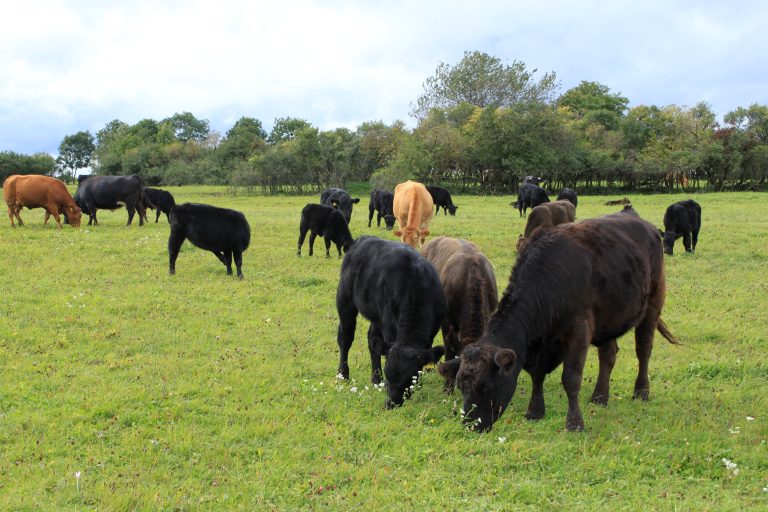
column 161, row 201
column 569, row 195
column 413, row 208
column 399, row 292
column 682, row 219
column 36, row 191
column 546, row 216
column 469, row 285
column 340, row 199
column 575, row 284
column 327, row 222
column 616, row 202
column 534, row 180
column 222, row 231
column 442, row 198
column 83, row 177
column 110, row 193
column 529, row 196
column 381, row 202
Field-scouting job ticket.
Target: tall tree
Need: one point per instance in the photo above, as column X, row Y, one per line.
column 243, row 140
column 592, row 96
column 75, row 152
column 483, row 80
column 187, row 127
column 285, row 128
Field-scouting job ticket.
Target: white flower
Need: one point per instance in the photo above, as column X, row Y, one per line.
column 502, row 439
column 339, row 376
column 731, row 466
column 77, row 475
column 750, row 418
column 353, row 389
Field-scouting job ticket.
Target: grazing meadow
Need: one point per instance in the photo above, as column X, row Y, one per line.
column 124, row 388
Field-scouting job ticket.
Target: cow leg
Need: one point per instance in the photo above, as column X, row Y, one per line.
column 174, row 244
column 327, row 241
column 370, row 216
column 694, row 239
column 437, row 209
column 378, row 219
column 346, row 334
column 375, row 345
column 157, row 217
column 451, row 344
column 237, row 254
column 131, row 213
column 57, row 218
column 10, row 216
column 643, row 347
column 226, row 257
column 687, row 241
column 92, row 216
column 338, row 248
column 303, row 228
column 573, row 367
column 312, row 237
column 607, row 355
column 47, row 216
column 139, row 206
column 536, row 404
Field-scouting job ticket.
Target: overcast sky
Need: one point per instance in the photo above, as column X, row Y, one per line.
column 69, row 65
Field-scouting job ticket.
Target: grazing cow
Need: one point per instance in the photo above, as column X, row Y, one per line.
column 442, row 198
column 340, row 199
column 399, row 292
column 469, row 285
column 412, row 206
column 682, row 219
column 617, row 202
column 574, row 284
column 534, row 180
column 83, row 177
column 222, row 231
column 381, row 201
column 110, row 193
column 569, row 195
column 530, row 196
column 36, row 191
column 546, row 216
column 161, row 201
column 327, row 222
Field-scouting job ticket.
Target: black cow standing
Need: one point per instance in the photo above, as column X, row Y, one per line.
column 340, row 199
column 569, row 195
column 529, row 196
column 442, row 198
column 682, row 219
column 399, row 291
column 110, row 193
column 161, row 201
column 222, row 231
column 381, row 202
column 327, row 222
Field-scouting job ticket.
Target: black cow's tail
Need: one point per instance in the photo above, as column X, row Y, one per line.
column 664, row 331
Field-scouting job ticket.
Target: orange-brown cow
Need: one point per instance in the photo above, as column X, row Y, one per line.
column 414, row 209
column 36, row 191
column 546, row 216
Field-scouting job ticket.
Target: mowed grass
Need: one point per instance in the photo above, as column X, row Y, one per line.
column 201, row 392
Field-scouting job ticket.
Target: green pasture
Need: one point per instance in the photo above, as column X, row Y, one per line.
column 201, row 392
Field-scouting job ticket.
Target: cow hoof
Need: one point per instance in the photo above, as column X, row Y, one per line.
column 599, row 400
column 640, row 394
column 574, row 426
column 534, row 415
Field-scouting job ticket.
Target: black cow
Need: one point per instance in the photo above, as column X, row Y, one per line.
column 82, row 177
column 222, row 231
column 326, row 222
column 381, row 201
column 572, row 285
column 441, row 197
column 110, row 193
column 161, row 201
column 340, row 199
column 569, row 195
column 399, row 291
column 532, row 179
column 682, row 219
column 529, row 196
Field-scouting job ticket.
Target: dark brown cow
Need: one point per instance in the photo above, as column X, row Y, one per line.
column 36, row 191
column 574, row 284
column 469, row 285
column 547, row 215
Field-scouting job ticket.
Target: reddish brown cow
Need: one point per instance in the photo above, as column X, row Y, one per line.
column 35, row 191
column 547, row 215
column 413, row 207
column 469, row 285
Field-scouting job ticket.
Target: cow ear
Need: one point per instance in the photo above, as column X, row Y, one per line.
column 505, row 359
column 661, row 233
column 433, row 355
column 397, row 233
column 449, row 369
column 425, row 232
column 356, row 200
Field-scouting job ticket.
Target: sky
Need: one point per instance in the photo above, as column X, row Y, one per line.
column 73, row 65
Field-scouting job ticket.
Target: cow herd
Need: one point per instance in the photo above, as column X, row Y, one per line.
column 573, row 283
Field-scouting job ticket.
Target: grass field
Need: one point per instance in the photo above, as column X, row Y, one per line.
column 201, row 392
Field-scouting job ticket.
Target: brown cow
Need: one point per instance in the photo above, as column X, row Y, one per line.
column 413, row 207
column 469, row 285
column 547, row 215
column 36, row 191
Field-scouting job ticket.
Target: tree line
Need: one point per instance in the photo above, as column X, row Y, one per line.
column 481, row 126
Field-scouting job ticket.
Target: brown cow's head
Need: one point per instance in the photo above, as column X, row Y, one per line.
column 412, row 236
column 72, row 214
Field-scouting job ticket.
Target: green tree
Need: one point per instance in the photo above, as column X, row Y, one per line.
column 245, row 139
column 187, row 127
column 16, row 163
column 285, row 128
column 593, row 97
column 75, row 152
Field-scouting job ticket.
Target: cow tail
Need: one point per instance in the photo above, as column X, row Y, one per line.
column 664, row 331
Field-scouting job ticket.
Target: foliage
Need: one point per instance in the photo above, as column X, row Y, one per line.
column 15, row 163
column 75, row 152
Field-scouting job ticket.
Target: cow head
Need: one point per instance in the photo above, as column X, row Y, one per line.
column 389, row 221
column 412, row 236
column 668, row 239
column 452, row 209
column 72, row 215
column 487, row 377
column 402, row 370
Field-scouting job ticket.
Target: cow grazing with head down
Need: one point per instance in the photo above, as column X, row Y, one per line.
column 161, row 201
column 340, row 199
column 574, row 284
column 442, row 199
column 399, row 292
column 546, row 216
column 682, row 219
column 381, row 202
column 36, row 191
column 469, row 285
column 569, row 195
column 222, row 231
column 529, row 196
column 413, row 208
column 327, row 222
column 110, row 193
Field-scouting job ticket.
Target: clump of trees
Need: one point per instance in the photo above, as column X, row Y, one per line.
column 481, row 126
